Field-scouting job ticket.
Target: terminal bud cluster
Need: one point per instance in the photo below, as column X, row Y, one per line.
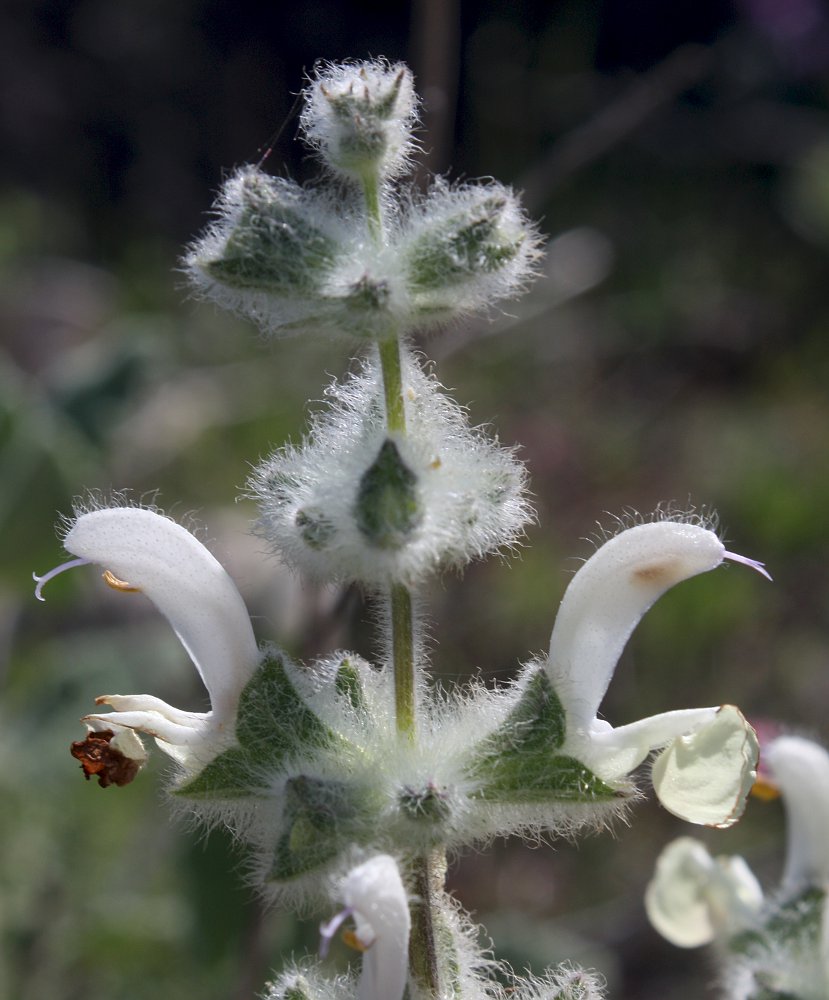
column 327, row 259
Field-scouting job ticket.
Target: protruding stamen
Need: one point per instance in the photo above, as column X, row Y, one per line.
column 330, row 928
column 751, row 563
column 41, row 581
column 111, row 580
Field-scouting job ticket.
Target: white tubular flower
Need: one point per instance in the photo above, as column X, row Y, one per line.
column 374, row 895
column 144, row 551
column 800, row 769
column 694, row 899
column 707, row 768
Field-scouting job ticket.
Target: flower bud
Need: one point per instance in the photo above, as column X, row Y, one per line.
column 359, row 116
column 308, row 982
column 297, row 991
column 465, row 248
column 425, row 805
column 270, row 254
column 275, row 244
column 387, row 509
column 349, row 685
column 565, row 982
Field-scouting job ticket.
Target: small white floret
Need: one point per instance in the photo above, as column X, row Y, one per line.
column 375, row 896
column 694, row 898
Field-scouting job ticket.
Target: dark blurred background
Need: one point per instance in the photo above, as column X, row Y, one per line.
column 676, row 349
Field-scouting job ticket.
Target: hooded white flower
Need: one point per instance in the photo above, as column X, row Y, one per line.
column 142, row 550
column 374, row 895
column 707, row 766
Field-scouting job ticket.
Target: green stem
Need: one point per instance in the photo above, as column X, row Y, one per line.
column 422, row 945
column 374, row 212
column 423, row 961
column 393, row 384
column 402, row 642
column 402, row 624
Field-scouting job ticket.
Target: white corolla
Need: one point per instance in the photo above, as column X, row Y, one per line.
column 707, row 759
column 142, row 550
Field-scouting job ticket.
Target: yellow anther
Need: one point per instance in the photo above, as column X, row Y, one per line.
column 765, row 790
column 351, row 939
column 435, row 463
column 112, row 581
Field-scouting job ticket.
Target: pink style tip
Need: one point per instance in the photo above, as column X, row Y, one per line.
column 41, row 581
column 751, row 563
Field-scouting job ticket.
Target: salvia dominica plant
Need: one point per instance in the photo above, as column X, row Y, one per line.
column 349, row 781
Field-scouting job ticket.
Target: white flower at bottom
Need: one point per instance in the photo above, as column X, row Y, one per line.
column 694, row 898
column 375, row 896
column 145, row 551
column 777, row 947
column 707, row 766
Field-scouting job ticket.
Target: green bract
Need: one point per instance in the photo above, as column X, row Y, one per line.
column 519, row 762
column 274, row 244
column 273, row 725
column 463, row 247
column 321, row 819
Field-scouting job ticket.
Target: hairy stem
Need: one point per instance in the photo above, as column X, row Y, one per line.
column 428, row 876
column 374, row 211
column 402, row 623
column 393, row 384
column 402, row 632
column 423, row 956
